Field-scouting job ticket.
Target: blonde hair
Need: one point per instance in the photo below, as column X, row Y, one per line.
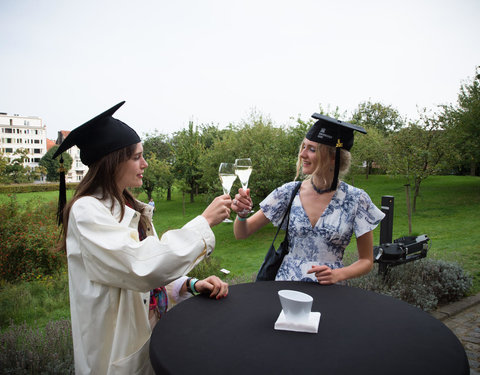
column 323, row 170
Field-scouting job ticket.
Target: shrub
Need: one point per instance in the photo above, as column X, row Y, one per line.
column 31, row 188
column 424, row 283
column 24, row 350
column 28, row 239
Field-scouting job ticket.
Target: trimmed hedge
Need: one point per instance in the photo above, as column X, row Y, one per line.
column 32, row 188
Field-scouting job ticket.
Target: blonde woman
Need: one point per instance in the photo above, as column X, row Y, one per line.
column 325, row 212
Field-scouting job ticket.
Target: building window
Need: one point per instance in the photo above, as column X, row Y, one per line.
column 9, row 150
column 8, row 130
column 19, row 140
column 26, row 122
column 36, row 160
column 11, row 122
column 37, row 151
column 9, row 140
column 36, row 141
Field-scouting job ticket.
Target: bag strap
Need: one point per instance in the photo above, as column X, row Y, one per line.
column 287, row 211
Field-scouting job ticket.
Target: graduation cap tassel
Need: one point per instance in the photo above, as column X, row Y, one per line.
column 62, row 198
column 339, row 145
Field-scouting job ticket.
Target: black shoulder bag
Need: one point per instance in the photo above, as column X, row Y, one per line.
column 274, row 258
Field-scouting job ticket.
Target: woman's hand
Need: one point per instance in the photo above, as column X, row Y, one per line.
column 325, row 275
column 218, row 210
column 242, row 201
column 213, row 285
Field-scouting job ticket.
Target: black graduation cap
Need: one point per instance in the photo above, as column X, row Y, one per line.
column 336, row 133
column 96, row 138
column 99, row 137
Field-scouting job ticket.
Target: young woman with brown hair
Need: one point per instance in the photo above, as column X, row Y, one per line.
column 122, row 277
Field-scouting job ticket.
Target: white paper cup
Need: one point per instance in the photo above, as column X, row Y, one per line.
column 295, row 305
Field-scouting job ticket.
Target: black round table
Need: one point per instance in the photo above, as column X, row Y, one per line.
column 360, row 332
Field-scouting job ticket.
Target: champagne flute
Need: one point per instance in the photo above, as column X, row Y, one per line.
column 243, row 169
column 227, row 175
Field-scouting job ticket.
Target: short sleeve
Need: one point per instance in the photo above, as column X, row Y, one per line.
column 368, row 215
column 275, row 204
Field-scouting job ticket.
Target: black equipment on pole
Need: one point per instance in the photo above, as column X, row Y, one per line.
column 400, row 251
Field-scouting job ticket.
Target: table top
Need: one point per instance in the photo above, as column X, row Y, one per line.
column 360, row 332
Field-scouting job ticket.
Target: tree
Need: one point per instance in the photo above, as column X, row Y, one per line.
column 369, row 150
column 187, row 150
column 16, row 171
column 418, row 151
column 53, row 165
column 4, row 178
column 158, row 175
column 385, row 119
column 158, row 145
column 463, row 123
column 271, row 149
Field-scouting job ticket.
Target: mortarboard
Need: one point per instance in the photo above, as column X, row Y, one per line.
column 99, row 137
column 96, row 138
column 336, row 133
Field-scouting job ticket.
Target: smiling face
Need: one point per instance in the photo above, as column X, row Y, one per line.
column 130, row 172
column 309, row 156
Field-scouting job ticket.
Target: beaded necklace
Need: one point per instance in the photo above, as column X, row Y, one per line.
column 319, row 191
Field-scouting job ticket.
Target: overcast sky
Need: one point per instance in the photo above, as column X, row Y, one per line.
column 214, row 61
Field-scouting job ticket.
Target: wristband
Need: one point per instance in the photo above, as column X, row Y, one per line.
column 191, row 281
column 239, row 218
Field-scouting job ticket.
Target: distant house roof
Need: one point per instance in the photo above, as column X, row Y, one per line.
column 50, row 144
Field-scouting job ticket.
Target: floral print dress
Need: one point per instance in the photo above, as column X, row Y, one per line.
column 350, row 211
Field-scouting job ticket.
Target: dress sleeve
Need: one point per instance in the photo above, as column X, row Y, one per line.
column 113, row 255
column 367, row 216
column 275, row 204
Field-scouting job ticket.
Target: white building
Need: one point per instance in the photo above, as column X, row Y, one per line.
column 23, row 132
column 78, row 169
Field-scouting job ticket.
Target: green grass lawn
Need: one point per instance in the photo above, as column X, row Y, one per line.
column 447, row 211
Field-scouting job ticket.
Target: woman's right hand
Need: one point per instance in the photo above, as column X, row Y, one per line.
column 218, row 210
column 242, row 202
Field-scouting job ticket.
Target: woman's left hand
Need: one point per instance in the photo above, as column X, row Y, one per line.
column 213, row 285
column 324, row 274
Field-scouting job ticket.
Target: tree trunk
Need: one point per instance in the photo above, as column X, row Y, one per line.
column 169, row 193
column 183, row 202
column 473, row 168
column 367, row 170
column 409, row 213
column 416, row 194
column 192, row 193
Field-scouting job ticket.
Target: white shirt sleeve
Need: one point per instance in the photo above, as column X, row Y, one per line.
column 113, row 255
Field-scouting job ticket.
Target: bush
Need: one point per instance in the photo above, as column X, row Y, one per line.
column 24, row 350
column 28, row 239
column 425, row 283
column 32, row 188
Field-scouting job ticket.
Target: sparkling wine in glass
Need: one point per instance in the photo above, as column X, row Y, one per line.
column 243, row 169
column 227, row 175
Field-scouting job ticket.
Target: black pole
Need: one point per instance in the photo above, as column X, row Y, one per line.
column 386, row 226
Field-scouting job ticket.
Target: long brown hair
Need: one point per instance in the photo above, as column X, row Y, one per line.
column 100, row 181
column 324, row 154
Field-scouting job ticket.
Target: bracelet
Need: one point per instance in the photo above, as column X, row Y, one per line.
column 191, row 281
column 239, row 218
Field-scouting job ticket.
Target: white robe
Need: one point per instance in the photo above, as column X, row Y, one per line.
column 110, row 275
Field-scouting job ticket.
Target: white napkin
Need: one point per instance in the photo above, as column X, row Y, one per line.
column 310, row 325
